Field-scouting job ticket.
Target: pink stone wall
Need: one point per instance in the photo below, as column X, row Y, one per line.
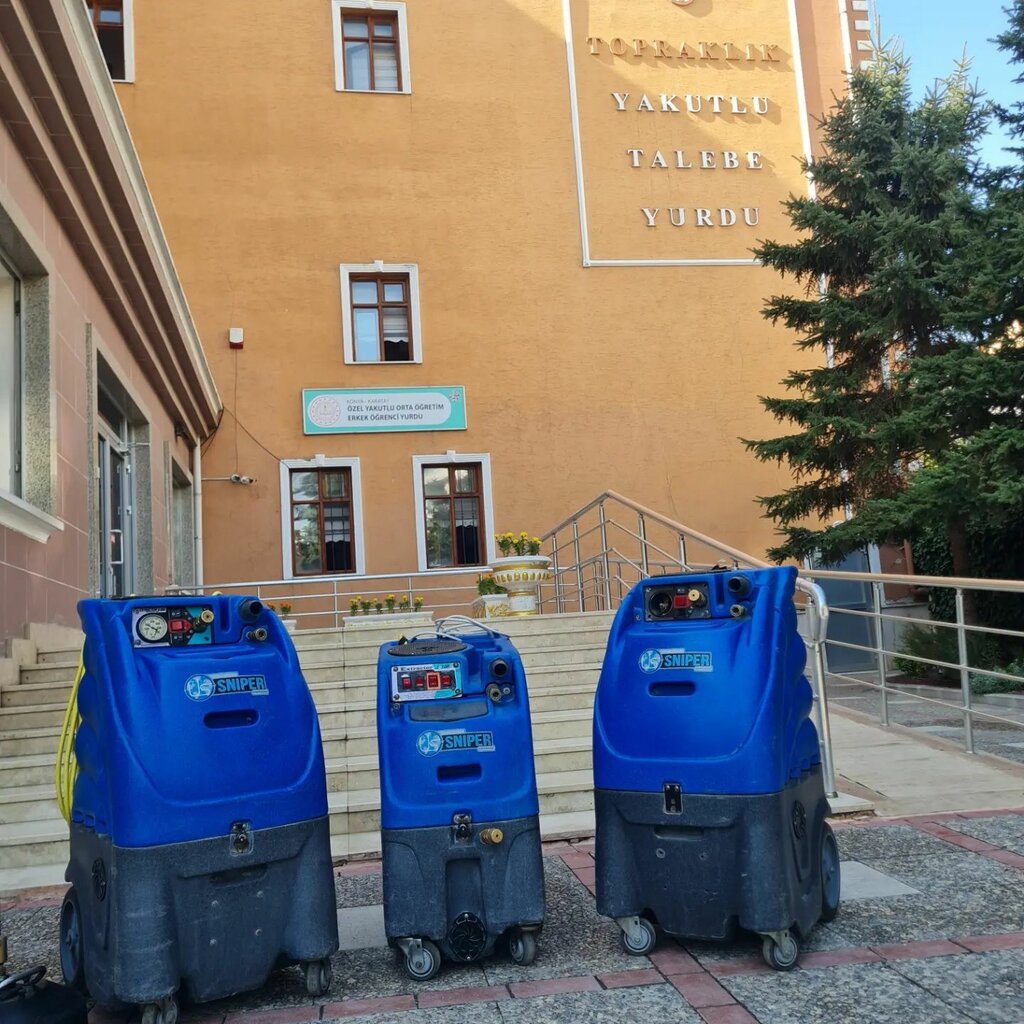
column 43, row 582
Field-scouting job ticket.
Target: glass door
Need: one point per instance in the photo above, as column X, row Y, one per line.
column 115, row 510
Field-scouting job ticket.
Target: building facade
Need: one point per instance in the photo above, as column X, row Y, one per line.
column 105, row 396
column 460, row 267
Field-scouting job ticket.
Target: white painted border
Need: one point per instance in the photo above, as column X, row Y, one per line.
column 129, row 43
column 418, row 462
column 844, row 31
column 574, row 113
column 346, row 270
column 320, row 462
column 337, row 6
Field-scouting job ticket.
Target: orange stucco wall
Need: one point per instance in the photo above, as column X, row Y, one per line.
column 577, row 378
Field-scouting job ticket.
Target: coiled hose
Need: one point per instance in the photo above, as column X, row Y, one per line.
column 66, row 770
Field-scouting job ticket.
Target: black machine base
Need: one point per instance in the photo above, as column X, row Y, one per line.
column 456, row 889
column 202, row 916
column 701, row 866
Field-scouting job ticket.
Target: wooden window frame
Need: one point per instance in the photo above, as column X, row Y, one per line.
column 94, row 8
column 319, row 502
column 451, row 498
column 376, row 8
column 381, row 280
column 373, row 17
column 391, row 272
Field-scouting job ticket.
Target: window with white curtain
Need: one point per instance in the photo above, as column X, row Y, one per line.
column 371, row 48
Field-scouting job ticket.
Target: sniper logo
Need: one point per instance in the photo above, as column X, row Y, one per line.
column 431, row 743
column 696, row 661
column 199, row 687
column 203, row 687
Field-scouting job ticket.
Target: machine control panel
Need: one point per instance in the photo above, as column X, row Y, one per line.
column 172, row 627
column 677, row 601
column 430, row 680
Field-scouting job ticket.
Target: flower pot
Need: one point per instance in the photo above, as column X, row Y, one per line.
column 521, row 576
column 290, row 624
column 491, row 606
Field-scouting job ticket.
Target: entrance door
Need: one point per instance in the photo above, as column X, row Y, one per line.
column 117, row 576
column 849, row 629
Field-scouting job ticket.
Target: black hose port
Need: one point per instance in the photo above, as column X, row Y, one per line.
column 250, row 609
column 737, row 611
column 259, row 634
column 494, row 692
column 499, row 668
column 738, row 586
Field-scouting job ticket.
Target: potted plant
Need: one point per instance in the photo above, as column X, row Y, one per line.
column 403, row 603
column 390, row 602
column 389, row 612
column 355, row 604
column 492, row 600
column 290, row 624
column 520, row 570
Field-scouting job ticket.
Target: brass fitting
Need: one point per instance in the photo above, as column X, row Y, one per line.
column 696, row 597
column 492, row 836
column 206, row 615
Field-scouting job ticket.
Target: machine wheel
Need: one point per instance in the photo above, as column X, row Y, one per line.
column 72, row 944
column 164, row 1012
column 641, row 942
column 424, row 962
column 830, row 878
column 780, row 955
column 522, row 947
column 318, row 975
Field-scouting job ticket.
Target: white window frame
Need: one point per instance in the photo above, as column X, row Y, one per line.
column 128, row 29
column 347, row 270
column 316, row 463
column 483, row 459
column 337, row 6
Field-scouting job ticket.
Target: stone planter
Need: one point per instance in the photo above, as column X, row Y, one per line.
column 491, row 606
column 521, row 575
column 389, row 620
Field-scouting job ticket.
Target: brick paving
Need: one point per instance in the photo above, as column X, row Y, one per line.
column 848, row 969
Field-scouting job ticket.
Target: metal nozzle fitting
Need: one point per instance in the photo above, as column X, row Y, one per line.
column 492, row 836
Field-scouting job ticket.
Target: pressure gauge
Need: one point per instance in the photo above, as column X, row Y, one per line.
column 152, row 628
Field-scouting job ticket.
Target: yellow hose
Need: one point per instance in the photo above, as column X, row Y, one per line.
column 66, row 770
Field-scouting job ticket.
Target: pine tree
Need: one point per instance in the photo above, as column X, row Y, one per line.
column 914, row 418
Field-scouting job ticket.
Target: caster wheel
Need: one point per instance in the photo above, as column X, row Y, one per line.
column 522, row 947
column 423, row 963
column 164, row 1012
column 639, row 941
column 780, row 956
column 318, row 975
column 830, row 879
column 72, row 946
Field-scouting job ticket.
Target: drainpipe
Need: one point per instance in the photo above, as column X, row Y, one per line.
column 197, row 512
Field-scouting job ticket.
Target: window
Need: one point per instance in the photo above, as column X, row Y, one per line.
column 10, row 381
column 453, row 515
column 370, row 46
column 321, row 517
column 112, row 20
column 380, row 319
column 380, row 313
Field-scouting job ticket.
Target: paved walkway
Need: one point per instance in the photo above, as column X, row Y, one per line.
column 904, row 772
column 931, row 931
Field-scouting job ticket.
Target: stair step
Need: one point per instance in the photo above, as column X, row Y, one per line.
column 34, row 842
column 30, row 695
column 58, row 672
column 59, row 657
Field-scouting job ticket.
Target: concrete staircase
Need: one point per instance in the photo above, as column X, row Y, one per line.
column 562, row 655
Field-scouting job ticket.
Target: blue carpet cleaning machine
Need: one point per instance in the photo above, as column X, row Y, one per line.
column 708, row 783
column 460, row 833
column 200, row 843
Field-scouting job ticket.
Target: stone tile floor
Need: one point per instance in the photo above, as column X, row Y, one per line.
column 949, row 951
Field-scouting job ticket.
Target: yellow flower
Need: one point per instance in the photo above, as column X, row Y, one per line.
column 523, row 534
column 390, row 597
column 536, row 540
